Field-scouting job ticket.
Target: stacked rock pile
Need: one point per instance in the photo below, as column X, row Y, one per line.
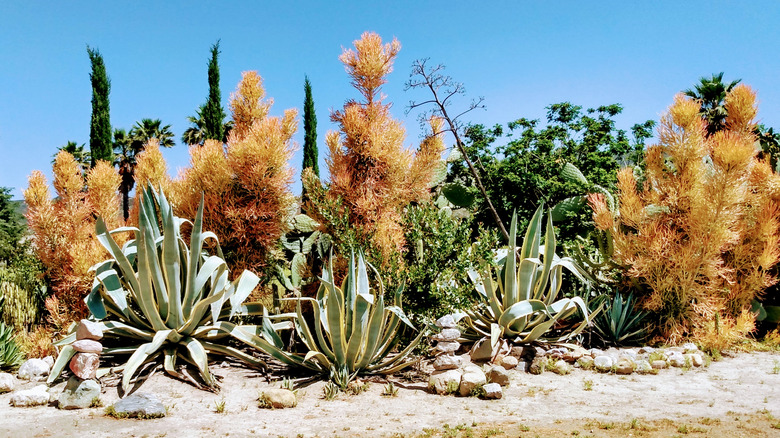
column 82, row 390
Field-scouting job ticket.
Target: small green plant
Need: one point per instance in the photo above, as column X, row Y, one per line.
column 452, row 387
column 96, row 402
column 524, row 428
column 219, row 406
column 10, row 354
column 356, row 387
column 390, row 390
column 587, row 385
column 776, row 368
column 330, row 391
column 606, row 426
column 477, row 391
column 621, row 323
column 289, row 385
column 683, row 429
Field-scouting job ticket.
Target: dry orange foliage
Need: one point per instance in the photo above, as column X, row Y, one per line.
column 64, row 228
column 700, row 234
column 372, row 175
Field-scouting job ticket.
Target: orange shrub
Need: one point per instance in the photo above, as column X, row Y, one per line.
column 700, row 234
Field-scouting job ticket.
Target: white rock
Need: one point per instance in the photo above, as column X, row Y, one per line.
column 89, row 330
column 87, row 346
column 31, row 397
column 690, row 348
column 473, row 376
column 446, row 362
column 676, row 360
column 493, row 391
column 447, row 335
column 447, row 347
column 697, row 359
column 445, row 382
column 7, row 382
column 49, row 361
column 603, row 363
column 446, row 321
column 484, row 351
column 509, row 362
column 278, row 398
column 498, row 374
column 561, row 367
column 625, row 365
column 643, row 366
column 34, row 369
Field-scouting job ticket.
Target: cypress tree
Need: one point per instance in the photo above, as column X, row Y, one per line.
column 310, row 158
column 100, row 134
column 213, row 115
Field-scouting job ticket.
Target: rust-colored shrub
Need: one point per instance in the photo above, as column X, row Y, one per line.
column 64, row 228
column 700, row 234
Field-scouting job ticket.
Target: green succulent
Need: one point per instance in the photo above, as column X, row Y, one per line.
column 353, row 331
column 519, row 304
column 10, row 354
column 621, row 323
column 157, row 298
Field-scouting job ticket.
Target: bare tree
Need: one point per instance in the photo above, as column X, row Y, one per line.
column 443, row 88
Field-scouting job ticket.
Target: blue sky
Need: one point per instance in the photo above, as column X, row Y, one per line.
column 521, row 56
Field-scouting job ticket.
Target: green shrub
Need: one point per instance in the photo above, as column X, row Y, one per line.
column 10, row 354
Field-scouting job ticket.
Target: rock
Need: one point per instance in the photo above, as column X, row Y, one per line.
column 447, row 347
column 482, row 350
column 539, row 352
column 573, row 355
column 676, row 360
column 85, row 365
column 646, row 350
column 557, row 353
column 625, row 365
column 445, row 382
column 30, row 397
column 498, row 374
column 493, row 391
column 697, row 360
column 538, row 365
column 7, row 382
column 49, row 361
column 78, row 394
column 446, row 362
column 585, row 362
column 603, row 363
column 670, row 350
column 472, row 377
column 87, row 346
column 562, row 367
column 89, row 330
column 139, row 404
column 34, row 369
column 690, row 348
column 521, row 366
column 447, row 335
column 509, row 362
column 643, row 367
column 629, row 353
column 277, row 398
column 594, row 352
column 446, row 321
column 517, row 352
column 659, row 364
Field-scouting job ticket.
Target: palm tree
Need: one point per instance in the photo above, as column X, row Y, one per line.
column 196, row 133
column 128, row 145
column 81, row 155
column 711, row 93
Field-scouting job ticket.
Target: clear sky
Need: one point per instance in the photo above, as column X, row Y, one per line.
column 520, row 55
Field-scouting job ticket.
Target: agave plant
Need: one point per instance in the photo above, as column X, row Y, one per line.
column 519, row 304
column 621, row 323
column 10, row 354
column 158, row 298
column 353, row 331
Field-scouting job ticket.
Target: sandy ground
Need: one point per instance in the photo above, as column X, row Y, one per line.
column 737, row 396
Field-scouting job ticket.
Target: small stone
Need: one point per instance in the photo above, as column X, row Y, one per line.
column 676, row 360
column 445, row 382
column 447, row 347
column 34, row 369
column 7, row 382
column 646, row 350
column 629, row 353
column 446, row 362
column 447, row 335
column 472, row 377
column 31, row 397
column 140, row 404
column 573, row 355
column 521, row 366
column 278, row 398
column 659, row 364
column 49, row 361
column 670, row 350
column 509, row 362
column 85, row 365
column 539, row 352
column 625, row 366
column 562, row 367
column 690, row 348
column 87, row 346
column 78, row 394
column 89, row 330
column 585, row 362
column 557, row 353
column 538, row 365
column 446, row 321
column 493, row 391
column 697, row 360
column 517, row 352
column 498, row 374
column 594, row 352
column 644, row 367
column 603, row 363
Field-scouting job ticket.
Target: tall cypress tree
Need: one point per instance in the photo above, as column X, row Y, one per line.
column 100, row 135
column 213, row 115
column 310, row 158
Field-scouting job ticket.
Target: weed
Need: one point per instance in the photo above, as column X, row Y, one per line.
column 452, row 387
column 330, row 391
column 709, row 421
column 477, row 391
column 606, row 426
column 390, row 390
column 355, row 387
column 96, row 402
column 524, row 428
column 656, row 355
column 492, row 432
column 683, row 429
column 776, row 369
column 219, row 407
column 587, row 385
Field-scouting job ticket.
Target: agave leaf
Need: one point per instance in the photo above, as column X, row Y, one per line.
column 62, row 361
column 141, row 355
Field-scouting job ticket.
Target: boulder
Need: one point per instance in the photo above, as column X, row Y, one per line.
column 509, row 362
column 483, row 350
column 87, row 346
column 603, row 363
column 447, row 335
column 447, row 347
column 78, row 394
column 89, row 330
column 34, row 369
column 493, row 391
column 31, row 397
column 277, row 398
column 625, row 365
column 472, row 377
column 85, row 365
column 445, row 382
column 139, row 404
column 446, row 362
column 498, row 374
column 7, row 382
column 446, row 321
